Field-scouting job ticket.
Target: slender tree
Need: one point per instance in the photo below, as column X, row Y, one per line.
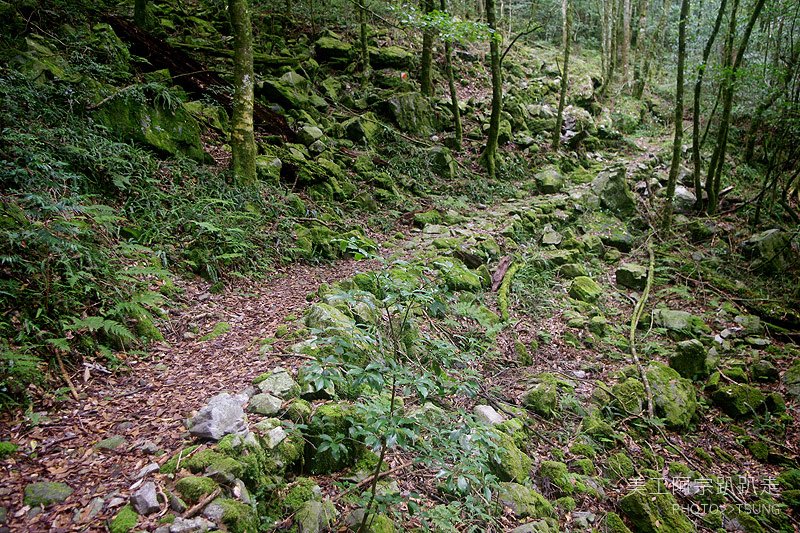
column 451, row 82
column 362, row 20
column 698, row 87
column 626, row 40
column 425, row 78
column 678, row 140
column 714, row 177
column 490, row 152
column 243, row 144
column 566, row 16
column 641, row 51
column 140, row 13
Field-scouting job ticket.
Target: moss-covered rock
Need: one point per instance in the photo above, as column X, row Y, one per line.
column 331, row 421
column 7, row 449
column 364, row 128
column 549, row 181
column 193, row 488
column 411, row 112
column 620, row 467
column 613, row 523
column 770, row 249
column 456, row 275
column 432, row 216
column 674, row 398
column 615, row 195
column 691, row 360
column 303, row 490
column 631, row 276
column 316, row 516
column 510, row 463
column 585, row 289
column 171, row 131
column 124, row 521
column 46, row 493
column 573, row 270
column 680, row 324
column 238, row 517
column 653, row 509
column 525, row 502
column 330, row 48
column 321, row 316
column 394, row 57
column 542, row 398
column 738, row 400
column 629, row 396
column 555, row 475
column 791, row 379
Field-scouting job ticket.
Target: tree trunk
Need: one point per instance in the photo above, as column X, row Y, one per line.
column 607, row 52
column 362, row 19
column 425, row 80
column 140, row 13
column 626, row 40
column 566, row 16
column 714, row 178
column 451, row 82
column 490, row 152
column 676, row 143
column 243, row 144
column 641, row 51
column 698, row 86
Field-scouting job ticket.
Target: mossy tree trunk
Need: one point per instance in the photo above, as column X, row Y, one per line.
column 562, row 99
column 451, row 82
column 243, row 144
column 678, row 140
column 626, row 40
column 425, row 77
column 140, row 13
column 362, row 21
column 490, row 152
column 698, row 88
column 641, row 51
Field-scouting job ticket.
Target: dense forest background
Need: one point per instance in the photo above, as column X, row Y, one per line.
column 501, row 213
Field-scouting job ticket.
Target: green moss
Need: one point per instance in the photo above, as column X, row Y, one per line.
column 566, row 504
column 428, row 217
column 124, row 521
column 585, row 289
column 620, row 467
column 511, row 464
column 653, row 509
column 45, row 493
column 790, row 479
column 220, row 328
column 581, row 448
column 524, row 501
column 738, row 400
column 298, row 410
column 303, row 489
column 333, row 420
column 556, row 474
column 629, row 396
column 170, row 467
column 237, row 516
column 704, row 455
column 7, row 449
column 674, row 397
column 584, row 466
column 193, row 488
column 613, row 524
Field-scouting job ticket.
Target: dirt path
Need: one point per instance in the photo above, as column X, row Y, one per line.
column 151, row 402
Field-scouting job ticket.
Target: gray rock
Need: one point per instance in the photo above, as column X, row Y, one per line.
column 265, row 404
column 214, row 512
column 680, row 323
column 175, row 503
column 221, row 416
column 552, row 238
column 187, row 525
column 111, row 443
column 315, row 516
column 81, row 516
column 615, row 195
column 309, row 134
column 488, row 415
column 769, row 249
column 278, row 383
column 631, row 276
column 145, row 500
column 691, row 360
column 149, row 447
column 549, row 181
column 274, row 436
column 684, row 200
column 147, row 470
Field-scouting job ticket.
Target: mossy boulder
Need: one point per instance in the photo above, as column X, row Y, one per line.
column 331, row 422
column 193, row 488
column 791, row 379
column 653, row 509
column 691, row 360
column 620, row 467
column 410, row 112
column 331, row 48
column 573, row 270
column 237, row 516
column 316, row 516
column 556, row 476
column 549, row 181
column 442, row 163
column 680, row 324
column 364, row 128
column 542, row 398
column 46, row 493
column 674, row 398
column 585, row 289
column 613, row 523
column 168, row 130
column 302, row 490
column 631, row 276
column 525, row 502
column 361, row 306
column 324, row 317
column 612, row 189
column 510, row 463
column 456, row 275
column 738, row 400
column 770, row 250
column 393, row 57
column 432, row 216
column 629, row 396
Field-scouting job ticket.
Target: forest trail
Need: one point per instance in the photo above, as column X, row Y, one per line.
column 150, row 403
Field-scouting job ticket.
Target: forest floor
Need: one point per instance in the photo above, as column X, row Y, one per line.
column 214, row 343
